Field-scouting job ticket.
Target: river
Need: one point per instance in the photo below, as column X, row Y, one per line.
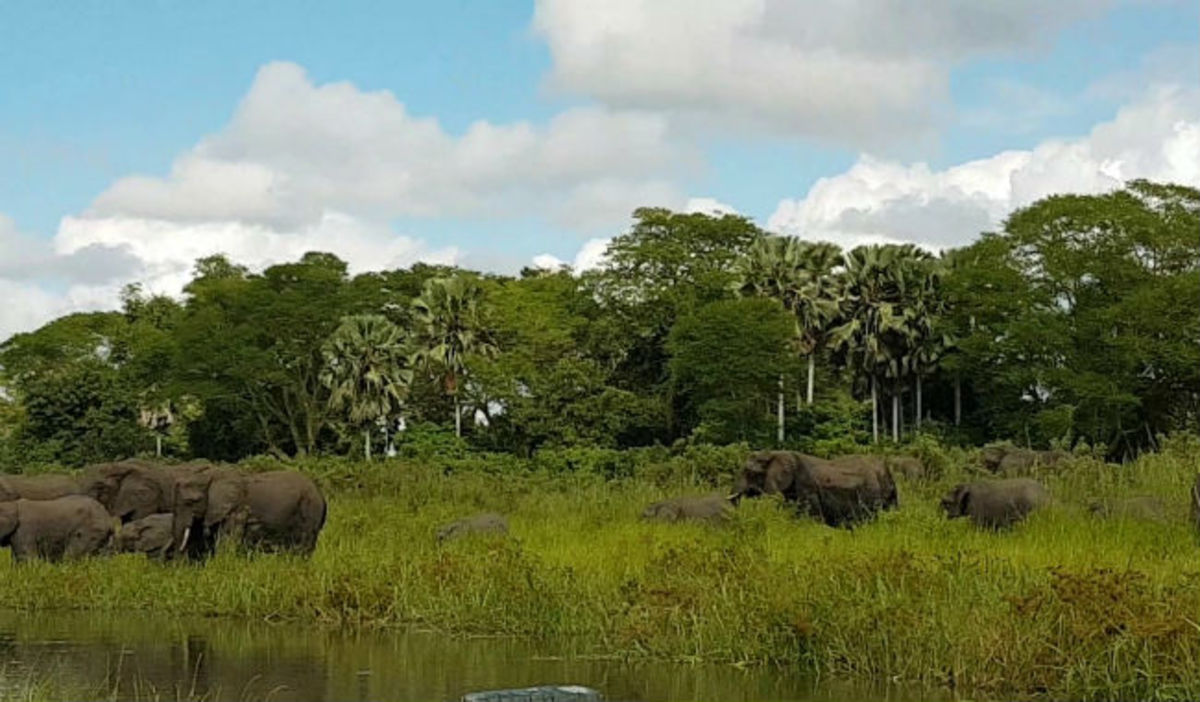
column 130, row 656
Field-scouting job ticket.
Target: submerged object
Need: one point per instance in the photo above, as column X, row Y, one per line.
column 547, row 693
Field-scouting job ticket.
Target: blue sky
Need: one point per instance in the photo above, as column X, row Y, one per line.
column 93, row 93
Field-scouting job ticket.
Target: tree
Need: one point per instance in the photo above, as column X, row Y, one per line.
column 450, row 329
column 253, row 344
column 725, row 361
column 872, row 335
column 367, row 371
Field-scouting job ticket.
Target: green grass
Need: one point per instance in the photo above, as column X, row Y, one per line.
column 1064, row 606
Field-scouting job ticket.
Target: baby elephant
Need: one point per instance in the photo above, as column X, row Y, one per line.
column 486, row 523
column 707, row 508
column 67, row 527
column 1142, row 507
column 995, row 503
column 149, row 535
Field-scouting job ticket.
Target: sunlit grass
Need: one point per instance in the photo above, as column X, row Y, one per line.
column 1065, row 605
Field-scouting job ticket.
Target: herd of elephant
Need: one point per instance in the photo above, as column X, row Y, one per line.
column 162, row 511
column 184, row 510
column 848, row 490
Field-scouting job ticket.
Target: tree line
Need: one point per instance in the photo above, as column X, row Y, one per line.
column 1077, row 321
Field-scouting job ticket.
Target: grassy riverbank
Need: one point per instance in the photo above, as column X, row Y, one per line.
column 1066, row 605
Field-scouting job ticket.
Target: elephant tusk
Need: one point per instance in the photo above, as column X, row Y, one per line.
column 183, row 542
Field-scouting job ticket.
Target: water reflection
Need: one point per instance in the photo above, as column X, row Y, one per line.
column 153, row 658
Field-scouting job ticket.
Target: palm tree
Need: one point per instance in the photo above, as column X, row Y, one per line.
column 923, row 312
column 770, row 269
column 872, row 331
column 450, row 328
column 367, row 371
column 815, row 301
column 797, row 274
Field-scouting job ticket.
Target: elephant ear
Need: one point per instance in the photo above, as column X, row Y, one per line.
column 225, row 495
column 8, row 522
column 135, row 499
column 781, row 472
column 963, row 497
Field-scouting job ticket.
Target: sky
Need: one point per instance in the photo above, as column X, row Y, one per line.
column 136, row 137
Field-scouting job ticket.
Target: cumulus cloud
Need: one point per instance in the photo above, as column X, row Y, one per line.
column 166, row 250
column 708, row 206
column 856, row 72
column 303, row 166
column 295, row 150
column 877, row 201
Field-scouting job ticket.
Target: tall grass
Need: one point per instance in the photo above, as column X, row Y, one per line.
column 1065, row 605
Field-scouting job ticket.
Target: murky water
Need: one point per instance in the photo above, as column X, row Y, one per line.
column 146, row 658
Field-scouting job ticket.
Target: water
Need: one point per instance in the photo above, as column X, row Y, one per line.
column 124, row 656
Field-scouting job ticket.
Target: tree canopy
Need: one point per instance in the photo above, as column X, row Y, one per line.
column 1076, row 321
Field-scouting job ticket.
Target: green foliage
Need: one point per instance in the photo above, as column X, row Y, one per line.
column 1073, row 326
column 726, row 359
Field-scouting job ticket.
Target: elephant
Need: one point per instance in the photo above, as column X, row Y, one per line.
column 910, row 467
column 46, row 486
column 486, row 523
column 149, row 535
column 135, row 489
column 995, row 504
column 1013, row 460
column 278, row 510
column 1142, row 507
column 65, row 527
column 702, row 508
column 842, row 492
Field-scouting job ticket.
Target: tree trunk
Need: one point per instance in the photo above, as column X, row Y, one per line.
column 918, row 421
column 896, row 415
column 367, row 444
column 957, row 400
column 810, row 378
column 874, row 412
column 779, row 413
column 158, row 446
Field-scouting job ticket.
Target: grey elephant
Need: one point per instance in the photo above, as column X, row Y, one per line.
column 1146, row 508
column 700, row 508
column 135, row 489
column 65, row 527
column 995, row 504
column 45, row 486
column 275, row 511
column 910, row 467
column 1013, row 460
column 486, row 523
column 839, row 493
column 149, row 535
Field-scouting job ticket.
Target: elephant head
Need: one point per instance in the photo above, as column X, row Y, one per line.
column 206, row 502
column 103, row 483
column 765, row 472
column 956, row 502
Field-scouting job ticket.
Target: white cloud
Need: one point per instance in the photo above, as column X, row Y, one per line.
column 295, row 150
column 303, row 167
column 857, row 72
column 167, row 250
column 708, row 206
column 1155, row 137
column 590, row 256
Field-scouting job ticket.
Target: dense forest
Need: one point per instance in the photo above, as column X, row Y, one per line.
column 1077, row 322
